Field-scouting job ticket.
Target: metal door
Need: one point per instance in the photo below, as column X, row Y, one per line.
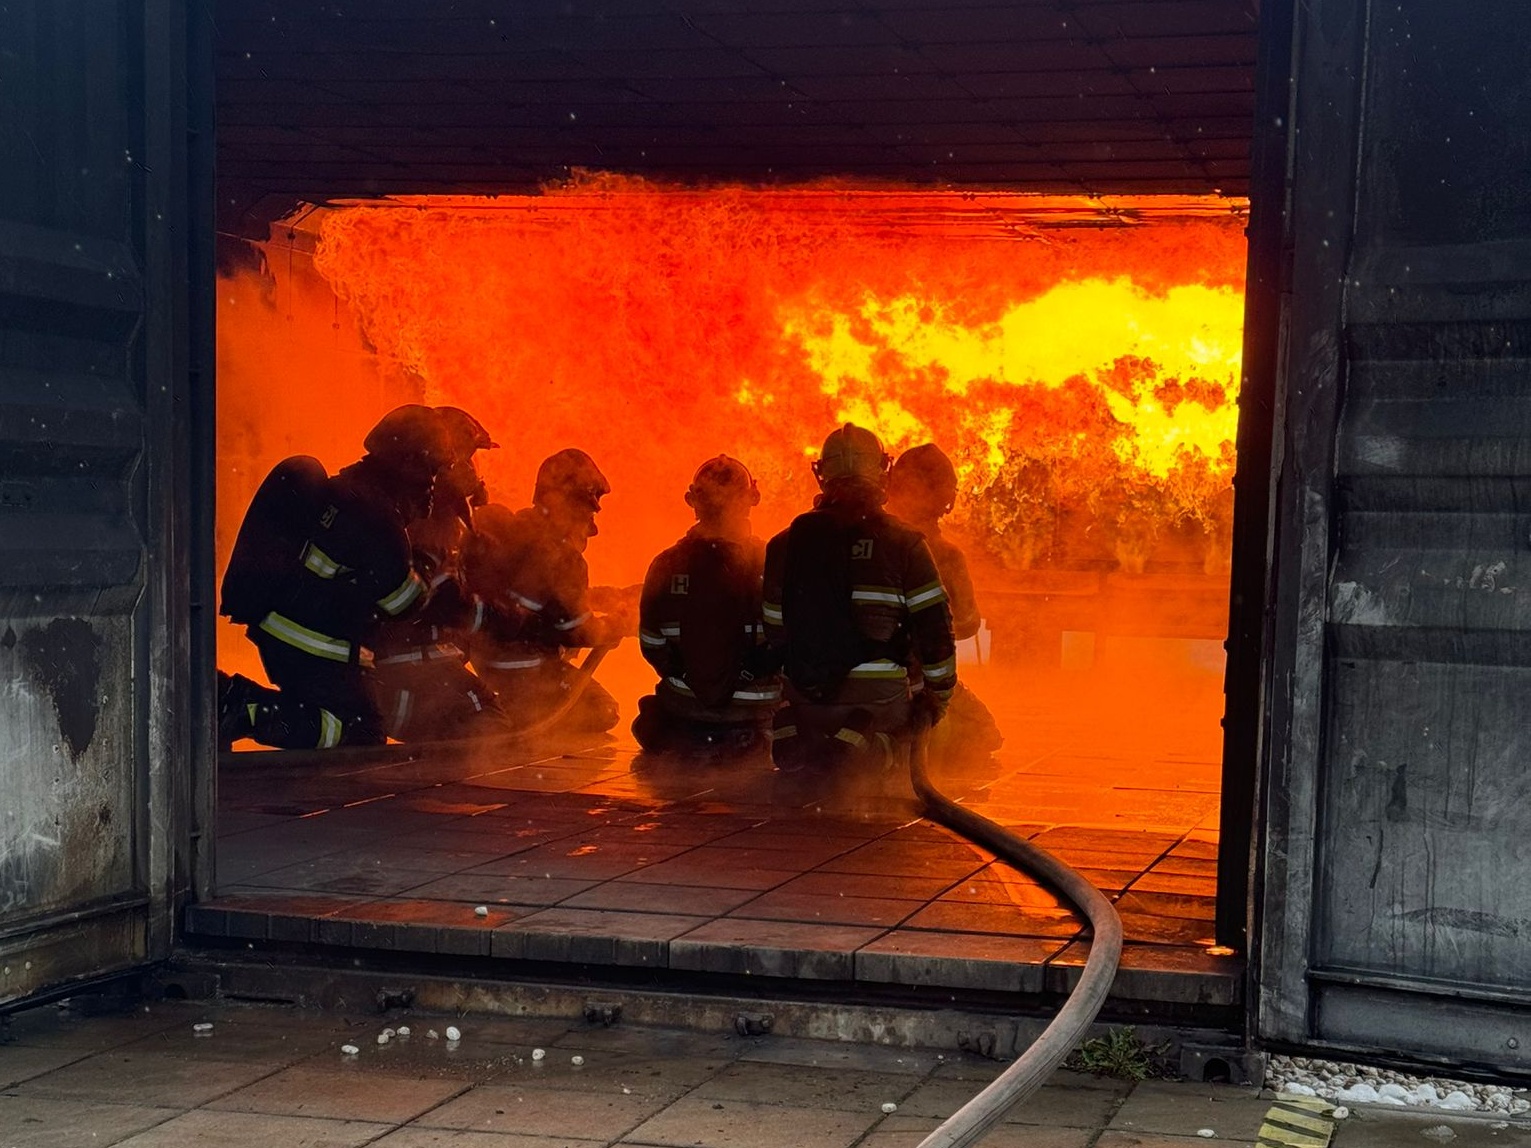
column 1396, row 913
column 104, row 200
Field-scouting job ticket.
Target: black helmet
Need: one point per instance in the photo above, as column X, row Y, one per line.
column 851, row 452
column 720, row 481
column 410, row 439
column 464, row 433
column 573, row 474
column 924, row 470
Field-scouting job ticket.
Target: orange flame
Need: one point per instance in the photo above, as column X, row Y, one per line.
column 1078, row 359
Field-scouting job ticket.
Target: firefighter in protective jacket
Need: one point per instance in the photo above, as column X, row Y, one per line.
column 922, row 488
column 531, row 564
column 319, row 560
column 700, row 627
column 852, row 596
column 425, row 689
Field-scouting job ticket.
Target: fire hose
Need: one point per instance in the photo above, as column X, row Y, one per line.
column 574, row 689
column 978, row 1116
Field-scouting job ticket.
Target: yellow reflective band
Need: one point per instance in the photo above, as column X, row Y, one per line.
column 670, row 631
column 529, row 603
column 515, row 664
column 401, row 711
column 330, row 729
column 309, row 641
column 772, row 613
column 941, row 669
column 320, row 563
column 783, row 731
column 480, row 613
column 881, row 668
column 886, row 594
column 250, row 712
column 649, row 638
column 850, row 737
column 572, row 623
column 400, row 600
column 759, row 695
column 927, row 595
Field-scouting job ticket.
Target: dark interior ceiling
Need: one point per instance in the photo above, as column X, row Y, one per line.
column 368, row 97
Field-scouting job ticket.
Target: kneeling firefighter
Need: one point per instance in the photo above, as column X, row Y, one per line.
column 700, row 626
column 317, row 562
column 922, row 488
column 851, row 594
column 425, row 689
column 533, row 561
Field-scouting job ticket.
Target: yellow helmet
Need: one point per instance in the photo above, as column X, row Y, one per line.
column 851, row 452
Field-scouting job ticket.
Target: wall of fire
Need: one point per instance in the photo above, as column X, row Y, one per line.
column 1078, row 359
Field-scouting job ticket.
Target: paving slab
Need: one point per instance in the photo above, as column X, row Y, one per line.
column 538, row 1111
column 1055, row 1105
column 848, row 1089
column 412, row 1137
column 340, row 1091
column 742, row 1124
column 48, row 1122
column 1375, row 1127
column 900, row 1131
column 154, row 1079
column 207, row 1129
column 1183, row 1109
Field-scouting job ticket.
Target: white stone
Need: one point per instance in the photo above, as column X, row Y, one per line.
column 1340, row 1113
column 539, row 1053
column 403, row 1030
column 432, row 1034
column 1359, row 1094
column 481, row 911
column 349, row 1049
column 1298, row 1089
column 1440, row 1132
column 203, row 1027
column 1457, row 1100
column 576, row 1060
column 1425, row 1094
column 383, row 1037
column 453, row 1032
column 1394, row 1090
column 889, row 1107
column 1206, row 1133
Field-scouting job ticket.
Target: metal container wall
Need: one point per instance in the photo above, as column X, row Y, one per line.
column 100, row 242
column 1396, row 905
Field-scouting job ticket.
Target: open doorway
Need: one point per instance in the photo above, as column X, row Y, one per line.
column 1077, row 358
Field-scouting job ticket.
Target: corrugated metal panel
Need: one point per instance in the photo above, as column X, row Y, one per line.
column 93, row 355
column 774, row 91
column 1396, row 917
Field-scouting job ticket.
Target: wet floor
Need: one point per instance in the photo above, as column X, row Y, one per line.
column 586, row 850
column 227, row 1076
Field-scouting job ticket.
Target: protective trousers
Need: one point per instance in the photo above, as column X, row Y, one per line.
column 807, row 735
column 317, row 703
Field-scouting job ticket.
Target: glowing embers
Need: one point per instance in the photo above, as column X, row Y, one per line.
column 1083, row 376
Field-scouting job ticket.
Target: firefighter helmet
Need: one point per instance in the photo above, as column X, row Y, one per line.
column 924, row 472
column 409, row 439
column 720, row 481
column 851, row 452
column 573, row 474
column 464, row 433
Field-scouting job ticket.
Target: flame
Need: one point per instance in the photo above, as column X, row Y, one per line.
column 1078, row 359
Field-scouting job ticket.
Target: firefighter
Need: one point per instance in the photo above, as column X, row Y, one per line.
column 922, row 488
column 850, row 594
column 425, row 690
column 700, row 627
column 531, row 564
column 318, row 561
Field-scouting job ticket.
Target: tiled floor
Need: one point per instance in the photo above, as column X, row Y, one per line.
column 267, row 1076
column 593, row 853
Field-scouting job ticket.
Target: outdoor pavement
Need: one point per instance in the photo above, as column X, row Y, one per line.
column 587, row 851
column 265, row 1076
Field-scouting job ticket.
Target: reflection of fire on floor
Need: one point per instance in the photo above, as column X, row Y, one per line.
column 592, row 854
